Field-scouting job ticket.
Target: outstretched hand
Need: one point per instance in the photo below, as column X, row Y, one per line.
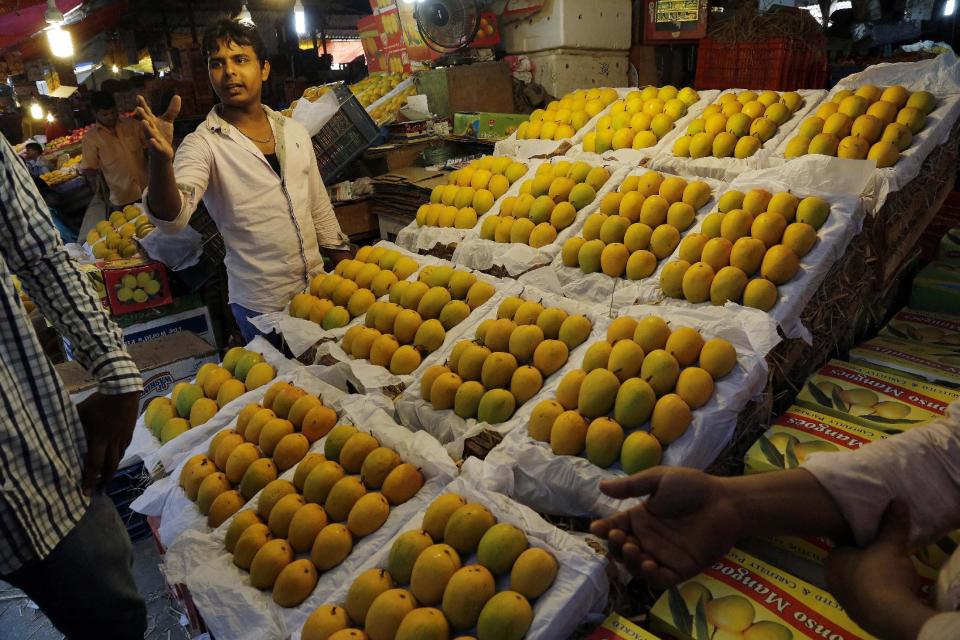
column 159, row 129
column 688, row 521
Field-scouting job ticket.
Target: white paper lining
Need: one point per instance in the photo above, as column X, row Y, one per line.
column 581, row 586
column 637, row 157
column 233, row 608
column 535, row 147
column 452, row 430
column 941, row 77
column 402, row 86
column 416, row 238
column 518, row 258
column 147, row 447
column 569, row 484
column 729, row 168
column 367, row 377
column 601, row 288
column 300, row 334
column 165, row 498
column 803, row 177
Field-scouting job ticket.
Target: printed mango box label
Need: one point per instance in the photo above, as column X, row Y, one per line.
column 877, row 399
column 932, row 329
column 937, row 364
column 798, row 433
column 927, row 560
column 616, row 627
column 747, row 598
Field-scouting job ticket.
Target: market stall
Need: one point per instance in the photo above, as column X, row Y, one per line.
column 624, row 274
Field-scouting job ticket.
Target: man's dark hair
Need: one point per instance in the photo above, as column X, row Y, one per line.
column 101, row 100
column 35, row 146
column 227, row 31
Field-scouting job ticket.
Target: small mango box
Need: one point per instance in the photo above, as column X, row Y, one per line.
column 746, row 597
column 916, row 359
column 932, row 329
column 133, row 285
column 878, row 399
column 800, row 432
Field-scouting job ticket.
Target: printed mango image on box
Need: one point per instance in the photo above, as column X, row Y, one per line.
column 742, row 598
column 800, row 432
column 933, row 329
column 939, row 365
column 882, row 400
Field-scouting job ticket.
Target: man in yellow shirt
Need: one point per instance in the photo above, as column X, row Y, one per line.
column 117, row 149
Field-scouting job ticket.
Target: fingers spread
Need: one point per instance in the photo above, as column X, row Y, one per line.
column 173, row 109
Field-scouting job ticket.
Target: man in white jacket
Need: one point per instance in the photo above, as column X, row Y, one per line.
column 255, row 171
column 880, row 501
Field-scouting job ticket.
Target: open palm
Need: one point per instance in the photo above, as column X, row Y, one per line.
column 159, row 129
column 687, row 522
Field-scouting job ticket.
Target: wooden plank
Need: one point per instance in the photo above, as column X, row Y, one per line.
column 909, row 241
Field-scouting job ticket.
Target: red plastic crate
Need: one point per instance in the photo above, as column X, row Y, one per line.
column 779, row 64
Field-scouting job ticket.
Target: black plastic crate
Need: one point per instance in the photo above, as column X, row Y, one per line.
column 345, row 136
column 126, row 486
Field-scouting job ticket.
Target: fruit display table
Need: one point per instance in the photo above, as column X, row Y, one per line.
column 326, row 499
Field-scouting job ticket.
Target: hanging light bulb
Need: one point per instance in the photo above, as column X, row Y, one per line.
column 115, row 69
column 300, row 18
column 61, row 43
column 50, row 117
column 244, row 16
column 36, row 111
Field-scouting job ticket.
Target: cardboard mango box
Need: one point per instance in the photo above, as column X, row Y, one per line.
column 949, row 248
column 935, row 329
column 616, row 627
column 163, row 362
column 878, row 399
column 930, row 362
column 798, row 433
column 742, row 595
column 937, row 288
column 805, row 555
column 485, row 125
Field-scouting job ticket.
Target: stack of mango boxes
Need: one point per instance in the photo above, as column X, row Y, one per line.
column 902, row 379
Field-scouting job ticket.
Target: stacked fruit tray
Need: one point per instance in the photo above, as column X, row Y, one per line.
column 472, row 563
column 488, row 378
column 632, row 235
column 660, row 389
column 309, row 531
column 529, row 227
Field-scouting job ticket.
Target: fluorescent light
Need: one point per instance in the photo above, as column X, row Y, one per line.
column 36, row 111
column 300, row 18
column 61, row 43
column 244, row 16
column 949, row 7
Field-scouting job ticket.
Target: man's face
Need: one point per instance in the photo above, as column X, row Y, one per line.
column 106, row 117
column 236, row 74
column 31, row 154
